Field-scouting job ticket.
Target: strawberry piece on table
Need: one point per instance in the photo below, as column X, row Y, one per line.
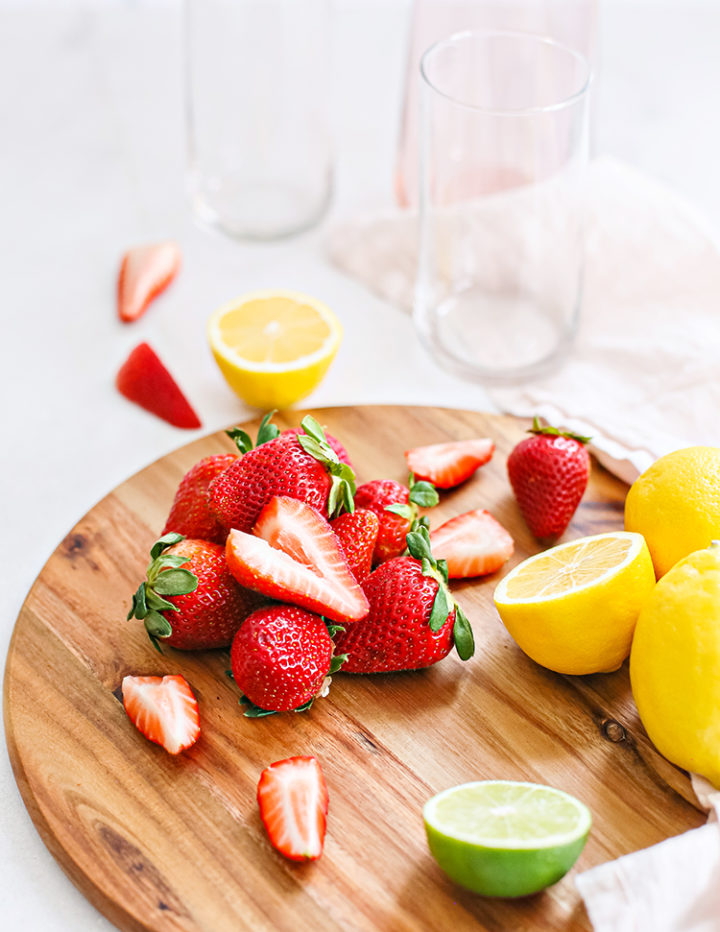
column 143, row 379
column 357, row 533
column 448, row 464
column 548, row 473
column 294, row 556
column 472, row 544
column 396, row 507
column 145, row 271
column 293, row 801
column 413, row 620
column 164, row 709
column 190, row 513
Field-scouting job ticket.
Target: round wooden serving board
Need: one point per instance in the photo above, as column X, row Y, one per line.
column 164, row 843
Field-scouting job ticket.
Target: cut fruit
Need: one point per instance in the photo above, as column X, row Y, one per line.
column 293, row 801
column 145, row 272
column 448, row 464
column 144, row 380
column 573, row 608
column 505, row 838
column 473, row 544
column 164, row 709
column 274, row 347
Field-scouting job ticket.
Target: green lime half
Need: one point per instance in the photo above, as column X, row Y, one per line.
column 503, row 838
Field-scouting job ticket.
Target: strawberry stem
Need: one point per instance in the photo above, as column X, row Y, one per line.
column 266, row 431
column 554, row 432
column 342, row 485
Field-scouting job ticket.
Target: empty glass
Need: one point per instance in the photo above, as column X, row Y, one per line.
column 503, row 149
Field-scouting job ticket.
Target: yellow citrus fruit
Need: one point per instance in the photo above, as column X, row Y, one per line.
column 675, row 504
column 675, row 664
column 274, row 347
column 573, row 608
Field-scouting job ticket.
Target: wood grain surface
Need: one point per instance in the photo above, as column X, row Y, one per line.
column 164, row 843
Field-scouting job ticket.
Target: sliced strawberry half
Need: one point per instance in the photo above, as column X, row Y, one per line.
column 448, row 464
column 293, row 801
column 472, row 544
column 143, row 379
column 294, row 556
column 145, row 271
column 358, row 534
column 164, row 709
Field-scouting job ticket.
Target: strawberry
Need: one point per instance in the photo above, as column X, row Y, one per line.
column 145, row 271
column 164, row 709
column 280, row 658
column 357, row 533
column 302, row 466
column 396, row 507
column 293, row 801
column 548, row 473
column 446, row 465
column 190, row 514
column 190, row 599
column 413, row 620
column 294, row 556
column 342, row 453
column 472, row 544
column 143, row 379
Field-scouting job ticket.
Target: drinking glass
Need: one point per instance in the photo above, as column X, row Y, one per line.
column 503, row 151
column 258, row 136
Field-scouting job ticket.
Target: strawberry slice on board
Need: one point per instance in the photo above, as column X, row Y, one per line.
column 448, row 464
column 294, row 556
column 293, row 800
column 472, row 544
column 144, row 380
column 145, row 271
column 164, row 709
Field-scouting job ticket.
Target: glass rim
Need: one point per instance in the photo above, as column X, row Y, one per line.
column 513, row 34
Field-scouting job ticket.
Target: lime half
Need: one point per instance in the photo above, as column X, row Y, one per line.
column 504, row 838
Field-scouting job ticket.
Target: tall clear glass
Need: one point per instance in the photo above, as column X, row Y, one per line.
column 258, row 122
column 503, row 151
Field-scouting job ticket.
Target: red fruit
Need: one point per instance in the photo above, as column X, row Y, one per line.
column 357, row 534
column 396, row 507
column 294, row 556
column 143, row 379
column 280, row 657
column 190, row 599
column 448, row 464
column 164, row 709
column 190, row 514
column 145, row 271
column 548, row 473
column 473, row 544
column 293, row 802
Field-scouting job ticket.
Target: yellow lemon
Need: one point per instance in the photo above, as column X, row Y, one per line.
column 675, row 504
column 675, row 664
column 573, row 608
column 273, row 347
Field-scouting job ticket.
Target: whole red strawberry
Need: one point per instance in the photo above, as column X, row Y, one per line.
column 548, row 473
column 413, row 620
column 301, row 466
column 190, row 514
column 280, row 658
column 396, row 507
column 190, row 599
column 357, row 533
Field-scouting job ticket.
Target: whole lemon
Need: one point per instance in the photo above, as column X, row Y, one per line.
column 675, row 664
column 675, row 505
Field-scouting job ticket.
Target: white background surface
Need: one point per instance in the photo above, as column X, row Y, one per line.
column 91, row 161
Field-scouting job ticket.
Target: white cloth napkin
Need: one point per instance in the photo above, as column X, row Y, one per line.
column 644, row 376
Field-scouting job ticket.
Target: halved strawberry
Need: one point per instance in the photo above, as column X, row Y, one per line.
column 143, row 379
column 145, row 271
column 448, row 464
column 358, row 534
column 164, row 709
column 294, row 556
column 293, row 801
column 472, row 544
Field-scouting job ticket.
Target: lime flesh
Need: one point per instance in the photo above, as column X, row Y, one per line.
column 504, row 838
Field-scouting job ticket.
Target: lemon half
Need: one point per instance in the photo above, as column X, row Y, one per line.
column 274, row 347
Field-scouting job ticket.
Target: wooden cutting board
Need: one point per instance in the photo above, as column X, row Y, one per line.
column 164, row 843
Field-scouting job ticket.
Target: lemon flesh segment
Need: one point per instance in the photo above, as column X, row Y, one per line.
column 573, row 608
column 505, row 838
column 274, row 347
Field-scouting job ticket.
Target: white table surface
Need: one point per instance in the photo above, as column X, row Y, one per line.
column 91, row 159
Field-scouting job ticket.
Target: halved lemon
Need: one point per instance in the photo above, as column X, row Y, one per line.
column 573, row 608
column 273, row 347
